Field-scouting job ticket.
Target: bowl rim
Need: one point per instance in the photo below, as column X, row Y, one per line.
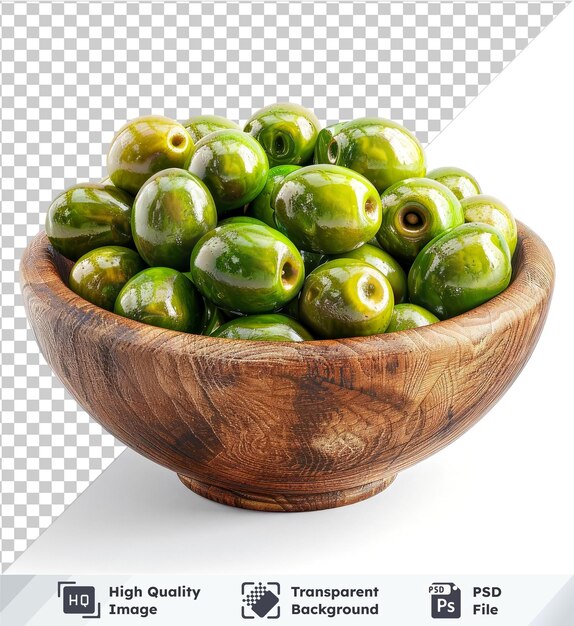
column 531, row 285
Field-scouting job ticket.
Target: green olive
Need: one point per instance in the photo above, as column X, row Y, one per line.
column 261, row 207
column 326, row 208
column 489, row 210
column 382, row 151
column 161, row 296
column 100, row 274
column 415, row 211
column 266, row 327
column 460, row 182
column 286, row 131
column 171, row 213
column 460, row 270
column 324, row 139
column 200, row 126
column 406, row 316
column 232, row 165
column 346, row 298
column 88, row 216
column 145, row 146
column 247, row 268
column 384, row 262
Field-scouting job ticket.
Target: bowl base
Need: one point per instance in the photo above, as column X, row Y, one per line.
column 286, row 502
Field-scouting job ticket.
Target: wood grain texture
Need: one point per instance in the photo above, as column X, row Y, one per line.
column 287, row 426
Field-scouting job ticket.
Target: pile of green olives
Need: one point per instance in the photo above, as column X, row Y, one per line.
column 282, row 230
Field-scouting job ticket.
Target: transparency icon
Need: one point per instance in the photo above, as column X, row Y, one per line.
column 258, row 599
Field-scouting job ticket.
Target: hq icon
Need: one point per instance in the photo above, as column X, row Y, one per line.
column 445, row 601
column 78, row 600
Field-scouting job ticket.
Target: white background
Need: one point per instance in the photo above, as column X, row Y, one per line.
column 499, row 500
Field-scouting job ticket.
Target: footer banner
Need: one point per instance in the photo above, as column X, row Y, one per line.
column 232, row 600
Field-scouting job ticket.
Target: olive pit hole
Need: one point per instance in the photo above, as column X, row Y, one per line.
column 312, row 293
column 279, row 144
column 288, row 274
column 370, row 289
column 371, row 207
column 413, row 219
column 177, row 140
column 333, row 151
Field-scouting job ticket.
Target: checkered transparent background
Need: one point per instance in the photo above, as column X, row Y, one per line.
column 71, row 73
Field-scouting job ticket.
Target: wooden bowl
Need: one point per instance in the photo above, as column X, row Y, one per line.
column 287, row 426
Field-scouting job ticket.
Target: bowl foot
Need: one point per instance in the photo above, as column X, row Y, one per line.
column 286, row 502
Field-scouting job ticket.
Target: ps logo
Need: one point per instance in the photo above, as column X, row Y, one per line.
column 445, row 601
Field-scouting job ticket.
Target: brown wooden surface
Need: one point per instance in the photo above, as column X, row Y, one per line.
column 287, row 426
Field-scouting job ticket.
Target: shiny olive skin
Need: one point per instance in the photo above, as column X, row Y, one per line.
column 346, row 298
column 415, row 211
column 145, row 146
column 460, row 270
column 382, row 151
column 459, row 181
column 406, row 316
column 232, row 165
column 323, row 140
column 247, row 268
column 161, row 296
column 286, row 131
column 384, row 262
column 200, row 126
column 88, row 216
column 100, row 274
column 261, row 207
column 489, row 210
column 266, row 327
column 171, row 213
column 327, row 208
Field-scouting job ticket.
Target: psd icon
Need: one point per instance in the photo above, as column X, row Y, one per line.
column 79, row 600
column 261, row 600
column 445, row 601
